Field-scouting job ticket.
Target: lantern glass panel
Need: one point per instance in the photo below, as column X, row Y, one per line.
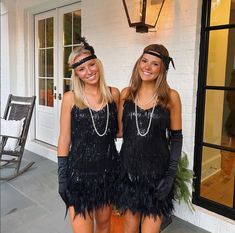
column 134, row 8
column 153, row 11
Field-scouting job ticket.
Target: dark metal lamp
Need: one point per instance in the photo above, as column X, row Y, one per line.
column 143, row 14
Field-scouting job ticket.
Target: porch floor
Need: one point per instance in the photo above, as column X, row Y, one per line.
column 30, row 203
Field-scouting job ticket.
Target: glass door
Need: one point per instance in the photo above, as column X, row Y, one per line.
column 56, row 34
column 45, row 75
column 70, row 20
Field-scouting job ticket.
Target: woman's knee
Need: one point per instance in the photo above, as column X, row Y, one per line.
column 132, row 223
column 151, row 224
column 102, row 223
column 131, row 226
column 80, row 223
column 103, row 218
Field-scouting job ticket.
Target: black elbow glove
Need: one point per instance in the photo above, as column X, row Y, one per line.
column 62, row 178
column 166, row 184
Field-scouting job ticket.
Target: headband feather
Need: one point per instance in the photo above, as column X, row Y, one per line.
column 88, row 47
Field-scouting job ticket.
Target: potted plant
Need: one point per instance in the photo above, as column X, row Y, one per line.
column 183, row 181
column 117, row 221
column 184, row 178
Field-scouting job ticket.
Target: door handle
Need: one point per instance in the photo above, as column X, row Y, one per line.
column 55, row 96
column 59, row 96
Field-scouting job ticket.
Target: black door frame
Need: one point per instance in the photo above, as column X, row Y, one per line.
column 200, row 109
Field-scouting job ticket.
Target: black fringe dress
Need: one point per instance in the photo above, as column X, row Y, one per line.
column 93, row 160
column 144, row 161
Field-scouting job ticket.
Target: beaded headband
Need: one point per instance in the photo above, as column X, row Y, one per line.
column 166, row 59
column 87, row 47
column 74, row 65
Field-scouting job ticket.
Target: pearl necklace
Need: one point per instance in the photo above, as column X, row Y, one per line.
column 147, row 102
column 136, row 120
column 92, row 118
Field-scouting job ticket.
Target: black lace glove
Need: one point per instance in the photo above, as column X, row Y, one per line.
column 166, row 184
column 62, row 178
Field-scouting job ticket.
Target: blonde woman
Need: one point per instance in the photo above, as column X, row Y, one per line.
column 87, row 155
column 150, row 123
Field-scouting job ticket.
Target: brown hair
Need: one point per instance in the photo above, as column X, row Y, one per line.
column 161, row 86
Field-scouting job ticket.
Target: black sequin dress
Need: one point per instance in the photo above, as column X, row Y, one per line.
column 93, row 160
column 144, row 161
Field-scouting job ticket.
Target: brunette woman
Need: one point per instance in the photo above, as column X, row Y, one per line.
column 150, row 123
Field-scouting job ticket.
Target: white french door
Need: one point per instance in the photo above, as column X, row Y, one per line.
column 56, row 33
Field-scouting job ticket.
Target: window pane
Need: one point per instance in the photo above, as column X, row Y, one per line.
column 41, row 33
column 222, row 12
column 42, row 94
column 221, row 57
column 230, row 101
column 49, row 32
column 41, row 63
column 76, row 26
column 50, row 99
column 49, row 64
column 66, row 85
column 68, row 29
column 67, row 69
column 219, row 121
column 217, row 179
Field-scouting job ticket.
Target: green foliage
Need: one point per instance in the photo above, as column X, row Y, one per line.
column 184, row 178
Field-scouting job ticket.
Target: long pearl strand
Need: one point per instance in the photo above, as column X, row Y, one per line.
column 92, row 118
column 150, row 120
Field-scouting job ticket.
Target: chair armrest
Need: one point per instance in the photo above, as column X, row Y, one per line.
column 7, row 136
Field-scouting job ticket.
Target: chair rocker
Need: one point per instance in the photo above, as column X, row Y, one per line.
column 17, row 108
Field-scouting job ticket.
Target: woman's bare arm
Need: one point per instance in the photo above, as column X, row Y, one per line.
column 65, row 124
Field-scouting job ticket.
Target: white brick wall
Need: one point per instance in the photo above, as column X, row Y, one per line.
column 105, row 26
column 5, row 82
column 8, row 63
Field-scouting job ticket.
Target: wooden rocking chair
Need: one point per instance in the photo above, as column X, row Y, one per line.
column 17, row 109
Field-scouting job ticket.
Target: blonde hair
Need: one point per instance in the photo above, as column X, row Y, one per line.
column 161, row 86
column 78, row 85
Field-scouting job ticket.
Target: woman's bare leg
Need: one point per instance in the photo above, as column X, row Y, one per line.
column 132, row 222
column 103, row 218
column 79, row 223
column 151, row 224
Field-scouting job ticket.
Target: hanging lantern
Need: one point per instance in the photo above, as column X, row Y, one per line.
column 143, row 14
